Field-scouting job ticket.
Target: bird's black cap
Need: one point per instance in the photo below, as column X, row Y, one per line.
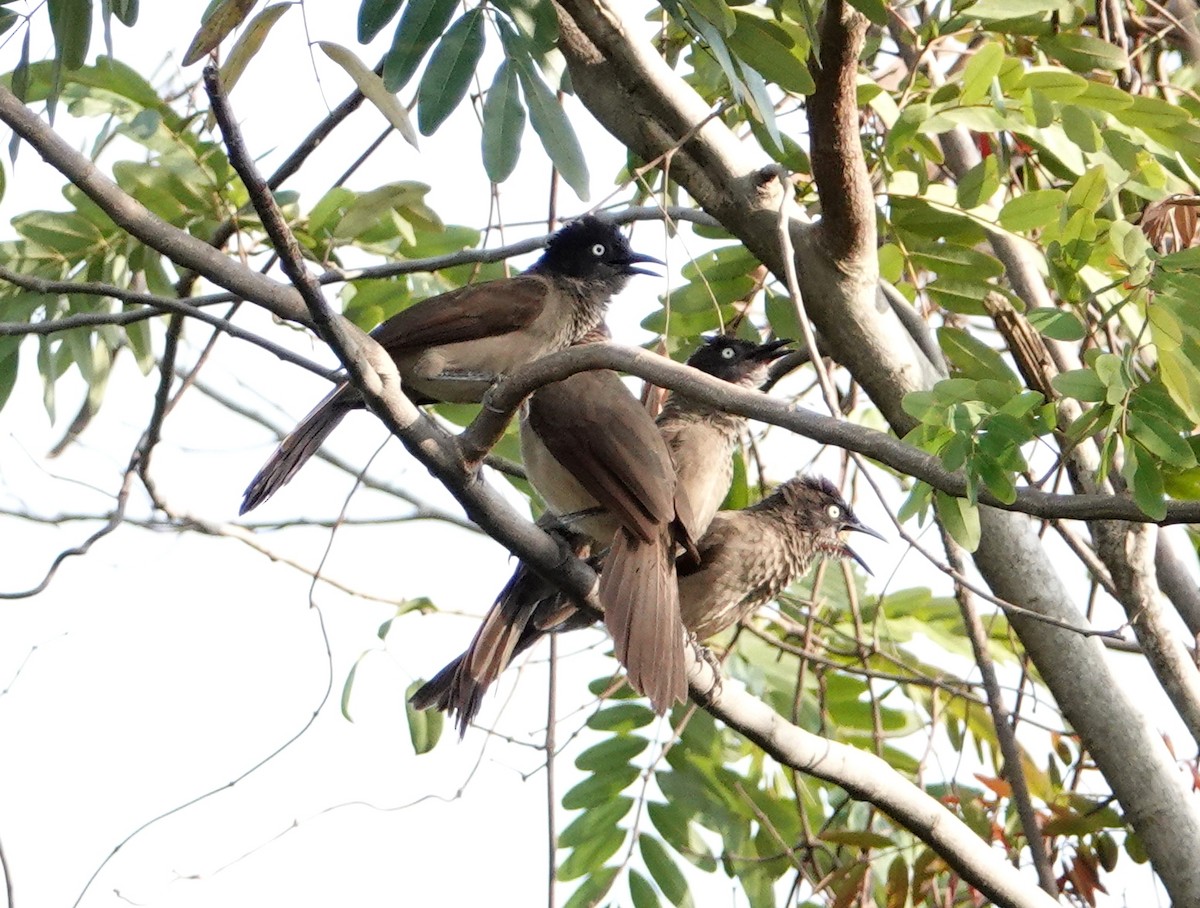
column 591, row 245
column 736, row 360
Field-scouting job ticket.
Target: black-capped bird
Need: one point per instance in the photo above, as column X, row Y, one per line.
column 453, row 346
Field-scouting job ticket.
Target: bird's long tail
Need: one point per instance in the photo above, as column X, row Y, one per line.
column 299, row 445
column 507, row 629
column 641, row 609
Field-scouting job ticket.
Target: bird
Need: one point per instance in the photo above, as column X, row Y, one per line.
column 749, row 557
column 701, row 440
column 598, row 461
column 453, row 346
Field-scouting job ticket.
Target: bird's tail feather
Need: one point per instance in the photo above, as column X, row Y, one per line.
column 299, row 445
column 507, row 630
column 641, row 609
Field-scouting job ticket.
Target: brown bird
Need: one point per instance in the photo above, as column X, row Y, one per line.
column 601, row 465
column 701, row 440
column 749, row 557
column 453, row 346
column 746, row 558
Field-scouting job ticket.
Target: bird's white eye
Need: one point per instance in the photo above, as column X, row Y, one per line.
column 728, row 353
column 834, row 511
column 598, row 250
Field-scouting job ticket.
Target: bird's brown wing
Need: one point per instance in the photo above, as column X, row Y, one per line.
column 470, row 313
column 602, row 435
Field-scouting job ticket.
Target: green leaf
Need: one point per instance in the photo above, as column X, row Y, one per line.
column 373, row 88
column 607, row 755
column 67, row 233
column 715, row 12
column 1081, row 384
column 590, row 855
column 373, row 15
column 960, row 518
column 1056, row 324
column 591, row 822
column 1032, row 210
column 1080, row 128
column 1083, row 53
column 974, row 358
column 449, row 72
column 420, row 25
column 9, row 361
column 1164, row 442
column 71, row 23
column 641, row 891
column 599, row 789
column 977, row 75
column 249, row 42
column 424, row 726
column 774, row 52
column 1055, row 84
column 503, row 124
column 621, row 717
column 875, row 10
column 979, row 183
column 554, row 129
column 217, row 25
column 662, row 868
column 859, row 838
column 1145, row 481
column 999, row 10
column 126, row 11
column 593, row 889
column 952, row 260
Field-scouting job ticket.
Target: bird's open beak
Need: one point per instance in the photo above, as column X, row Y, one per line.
column 635, row 257
column 771, row 350
column 848, row 552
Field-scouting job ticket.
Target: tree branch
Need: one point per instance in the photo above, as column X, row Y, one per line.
column 868, row 778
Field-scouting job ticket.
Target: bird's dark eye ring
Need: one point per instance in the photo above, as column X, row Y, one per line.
column 598, row 250
column 834, row 511
column 728, row 353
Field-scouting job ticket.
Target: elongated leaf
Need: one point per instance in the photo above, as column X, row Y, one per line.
column 424, row 726
column 979, row 72
column 373, row 89
column 591, row 822
column 960, row 518
column 1032, row 209
column 1145, row 481
column 421, row 24
column 768, row 46
column 249, row 42
column 449, row 73
column 590, row 854
column 610, row 754
column 225, row 17
column 503, row 124
column 373, row 15
column 974, row 358
column 126, row 11
column 9, row 361
column 592, row 890
column 71, row 23
column 554, row 129
column 599, row 789
column 1083, row 53
column 1057, row 324
column 662, row 868
column 641, row 891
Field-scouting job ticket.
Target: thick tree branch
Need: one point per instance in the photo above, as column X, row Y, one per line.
column 504, row 398
column 868, row 778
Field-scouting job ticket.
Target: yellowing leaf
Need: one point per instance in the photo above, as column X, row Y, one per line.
column 372, row 88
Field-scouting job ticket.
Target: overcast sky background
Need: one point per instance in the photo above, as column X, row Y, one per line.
column 163, row 665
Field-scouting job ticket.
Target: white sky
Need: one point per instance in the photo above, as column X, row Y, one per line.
column 167, row 665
